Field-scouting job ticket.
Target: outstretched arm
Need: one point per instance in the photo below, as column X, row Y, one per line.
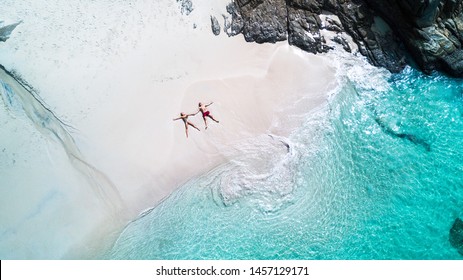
column 209, row 104
column 176, row 118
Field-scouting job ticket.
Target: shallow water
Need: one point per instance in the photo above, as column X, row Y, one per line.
column 374, row 174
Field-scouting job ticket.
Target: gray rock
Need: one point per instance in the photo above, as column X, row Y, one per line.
column 456, row 235
column 298, row 21
column 304, row 30
column 226, row 25
column 333, row 26
column 186, row 6
column 215, row 26
column 431, row 31
column 343, row 42
column 237, row 23
column 6, row 29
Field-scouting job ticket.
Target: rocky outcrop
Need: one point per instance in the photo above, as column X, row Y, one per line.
column 263, row 21
column 300, row 22
column 456, row 235
column 386, row 32
column 432, row 30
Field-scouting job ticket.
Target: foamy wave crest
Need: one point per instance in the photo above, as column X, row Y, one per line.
column 357, row 70
column 262, row 175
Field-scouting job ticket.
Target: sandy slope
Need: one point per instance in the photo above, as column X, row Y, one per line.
column 119, row 72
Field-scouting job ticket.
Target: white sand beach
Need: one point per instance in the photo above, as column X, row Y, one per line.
column 118, row 72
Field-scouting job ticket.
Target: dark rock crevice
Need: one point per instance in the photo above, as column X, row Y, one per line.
column 215, row 26
column 432, row 31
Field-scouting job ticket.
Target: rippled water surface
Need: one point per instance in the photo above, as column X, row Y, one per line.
column 375, row 174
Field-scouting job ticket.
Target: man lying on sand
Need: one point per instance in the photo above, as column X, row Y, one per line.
column 203, row 109
column 184, row 118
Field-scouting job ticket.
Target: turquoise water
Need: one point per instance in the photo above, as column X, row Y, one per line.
column 375, row 174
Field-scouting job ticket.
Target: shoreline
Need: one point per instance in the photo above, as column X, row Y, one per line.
column 205, row 150
column 122, row 104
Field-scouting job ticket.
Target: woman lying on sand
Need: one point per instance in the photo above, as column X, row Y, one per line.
column 184, row 118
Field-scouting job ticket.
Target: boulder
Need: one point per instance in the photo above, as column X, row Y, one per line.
column 215, row 26
column 186, row 6
column 6, row 29
column 263, row 20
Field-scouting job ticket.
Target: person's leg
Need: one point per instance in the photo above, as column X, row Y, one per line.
column 193, row 125
column 205, row 121
column 186, row 130
column 210, row 116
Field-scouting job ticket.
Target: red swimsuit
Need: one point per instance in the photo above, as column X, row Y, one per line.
column 205, row 114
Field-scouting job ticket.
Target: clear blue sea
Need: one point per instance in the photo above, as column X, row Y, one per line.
column 376, row 173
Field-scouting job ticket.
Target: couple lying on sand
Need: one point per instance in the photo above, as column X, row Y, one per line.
column 201, row 108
